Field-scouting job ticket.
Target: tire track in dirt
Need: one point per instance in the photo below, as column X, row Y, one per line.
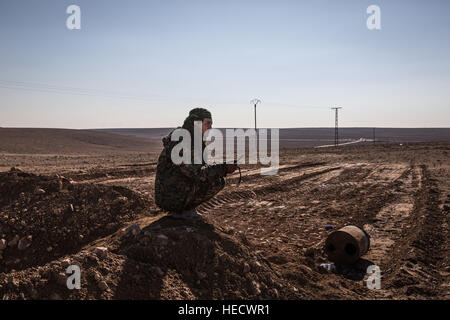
column 254, row 175
column 144, row 185
column 389, row 222
column 266, row 203
column 252, row 193
column 294, row 216
column 413, row 270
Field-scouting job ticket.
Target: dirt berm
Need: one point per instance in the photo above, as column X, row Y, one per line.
column 124, row 250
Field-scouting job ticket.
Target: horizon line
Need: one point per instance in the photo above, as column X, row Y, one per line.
column 281, row 128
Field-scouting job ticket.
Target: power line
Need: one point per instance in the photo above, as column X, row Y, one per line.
column 76, row 91
column 47, row 88
column 281, row 104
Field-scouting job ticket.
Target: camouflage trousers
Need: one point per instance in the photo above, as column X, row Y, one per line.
column 189, row 198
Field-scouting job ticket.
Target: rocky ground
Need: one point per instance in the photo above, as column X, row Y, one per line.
column 262, row 239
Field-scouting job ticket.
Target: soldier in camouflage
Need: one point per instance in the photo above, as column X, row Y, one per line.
column 179, row 189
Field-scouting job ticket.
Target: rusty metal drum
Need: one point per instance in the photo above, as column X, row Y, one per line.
column 347, row 245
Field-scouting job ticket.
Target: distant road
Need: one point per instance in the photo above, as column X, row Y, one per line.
column 346, row 143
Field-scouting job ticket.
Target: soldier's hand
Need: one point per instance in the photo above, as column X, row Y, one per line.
column 231, row 168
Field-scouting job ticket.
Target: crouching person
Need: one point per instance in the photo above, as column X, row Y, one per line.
column 180, row 188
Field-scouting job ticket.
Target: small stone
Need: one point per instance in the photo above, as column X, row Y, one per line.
column 14, row 241
column 101, row 252
column 25, row 242
column 275, row 293
column 201, row 275
column 121, row 200
column 55, row 296
column 134, row 229
column 34, row 294
column 256, row 266
column 110, row 226
column 39, row 191
column 65, row 263
column 246, row 268
column 255, row 287
column 76, row 263
column 158, row 271
column 49, row 249
column 243, row 238
column 91, row 259
column 2, row 244
column 102, row 285
column 97, row 276
column 61, row 279
column 229, row 230
column 162, row 237
column 309, row 252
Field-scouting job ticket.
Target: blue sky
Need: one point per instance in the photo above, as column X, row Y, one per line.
column 146, row 63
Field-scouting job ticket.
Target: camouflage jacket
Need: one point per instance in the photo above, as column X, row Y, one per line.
column 178, row 186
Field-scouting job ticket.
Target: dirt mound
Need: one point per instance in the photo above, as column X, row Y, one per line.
column 43, row 217
column 48, row 223
column 167, row 259
column 197, row 261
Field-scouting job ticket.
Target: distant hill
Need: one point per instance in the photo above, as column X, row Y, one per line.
column 67, row 141
column 293, row 137
column 59, row 141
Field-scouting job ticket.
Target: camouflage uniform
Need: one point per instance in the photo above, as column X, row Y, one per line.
column 185, row 186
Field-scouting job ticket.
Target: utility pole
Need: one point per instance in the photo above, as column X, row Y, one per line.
column 255, row 102
column 336, row 131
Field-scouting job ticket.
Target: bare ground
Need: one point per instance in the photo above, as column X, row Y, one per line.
column 262, row 239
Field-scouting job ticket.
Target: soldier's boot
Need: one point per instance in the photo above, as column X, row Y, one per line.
column 191, row 214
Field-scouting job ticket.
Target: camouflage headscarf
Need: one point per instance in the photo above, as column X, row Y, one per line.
column 197, row 114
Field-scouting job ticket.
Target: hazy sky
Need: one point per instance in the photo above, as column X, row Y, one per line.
column 147, row 63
